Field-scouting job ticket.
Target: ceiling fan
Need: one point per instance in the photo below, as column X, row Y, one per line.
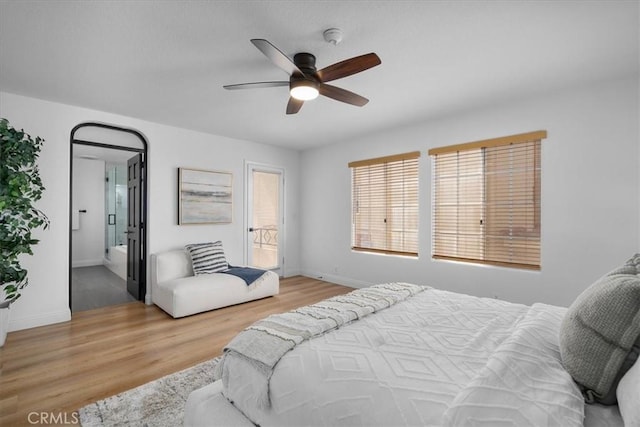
column 305, row 82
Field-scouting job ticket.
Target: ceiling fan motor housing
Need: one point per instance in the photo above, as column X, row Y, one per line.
column 306, row 62
column 304, row 87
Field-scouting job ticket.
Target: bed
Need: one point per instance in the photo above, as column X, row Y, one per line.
column 415, row 356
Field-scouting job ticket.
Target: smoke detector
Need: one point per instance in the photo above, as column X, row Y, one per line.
column 333, row 36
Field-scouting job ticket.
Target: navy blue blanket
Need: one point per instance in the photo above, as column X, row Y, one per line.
column 248, row 274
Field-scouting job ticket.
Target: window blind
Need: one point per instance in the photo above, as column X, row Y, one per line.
column 486, row 201
column 385, row 204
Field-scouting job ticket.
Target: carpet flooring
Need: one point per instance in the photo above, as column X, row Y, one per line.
column 159, row 403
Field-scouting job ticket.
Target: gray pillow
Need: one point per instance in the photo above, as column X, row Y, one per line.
column 599, row 330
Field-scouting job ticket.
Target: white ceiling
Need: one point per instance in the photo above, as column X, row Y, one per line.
column 166, row 61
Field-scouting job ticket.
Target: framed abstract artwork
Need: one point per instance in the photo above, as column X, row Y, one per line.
column 205, row 197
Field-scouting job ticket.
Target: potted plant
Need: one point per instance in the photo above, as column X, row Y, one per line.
column 20, row 188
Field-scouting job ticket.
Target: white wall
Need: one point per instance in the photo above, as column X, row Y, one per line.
column 590, row 196
column 590, row 184
column 88, row 194
column 45, row 300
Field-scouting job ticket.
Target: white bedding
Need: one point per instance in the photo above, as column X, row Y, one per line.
column 438, row 358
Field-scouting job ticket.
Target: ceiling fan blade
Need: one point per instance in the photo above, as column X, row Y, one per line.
column 294, row 105
column 348, row 67
column 276, row 56
column 255, row 85
column 342, row 95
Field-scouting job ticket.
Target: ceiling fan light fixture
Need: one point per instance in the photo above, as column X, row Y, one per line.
column 304, row 90
column 306, row 82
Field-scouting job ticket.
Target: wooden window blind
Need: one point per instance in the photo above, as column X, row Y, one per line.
column 486, row 201
column 385, row 204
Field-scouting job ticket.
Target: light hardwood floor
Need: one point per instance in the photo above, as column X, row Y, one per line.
column 60, row 368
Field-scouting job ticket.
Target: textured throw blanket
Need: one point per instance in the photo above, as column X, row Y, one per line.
column 265, row 342
column 248, row 274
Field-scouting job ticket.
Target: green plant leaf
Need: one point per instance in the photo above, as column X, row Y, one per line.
column 20, row 188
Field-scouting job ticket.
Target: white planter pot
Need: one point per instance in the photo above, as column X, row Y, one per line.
column 4, row 324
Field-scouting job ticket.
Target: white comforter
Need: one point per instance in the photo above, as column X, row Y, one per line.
column 438, row 358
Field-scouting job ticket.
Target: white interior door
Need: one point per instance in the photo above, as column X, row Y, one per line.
column 265, row 217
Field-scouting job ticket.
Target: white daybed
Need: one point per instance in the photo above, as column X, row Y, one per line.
column 176, row 290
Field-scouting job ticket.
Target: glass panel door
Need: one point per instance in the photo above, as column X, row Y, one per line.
column 116, row 206
column 264, row 216
column 110, row 209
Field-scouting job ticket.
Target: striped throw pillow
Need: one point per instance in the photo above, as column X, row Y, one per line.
column 207, row 258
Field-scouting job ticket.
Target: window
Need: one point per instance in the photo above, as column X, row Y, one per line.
column 486, row 201
column 385, row 204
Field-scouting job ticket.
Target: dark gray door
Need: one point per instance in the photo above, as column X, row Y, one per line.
column 134, row 227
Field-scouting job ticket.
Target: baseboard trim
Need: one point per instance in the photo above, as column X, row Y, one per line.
column 39, row 320
column 86, row 263
column 338, row 280
column 293, row 273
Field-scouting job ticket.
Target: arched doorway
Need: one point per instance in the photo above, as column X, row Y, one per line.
column 120, row 155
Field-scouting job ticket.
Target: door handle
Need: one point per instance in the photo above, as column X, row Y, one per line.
column 251, row 230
